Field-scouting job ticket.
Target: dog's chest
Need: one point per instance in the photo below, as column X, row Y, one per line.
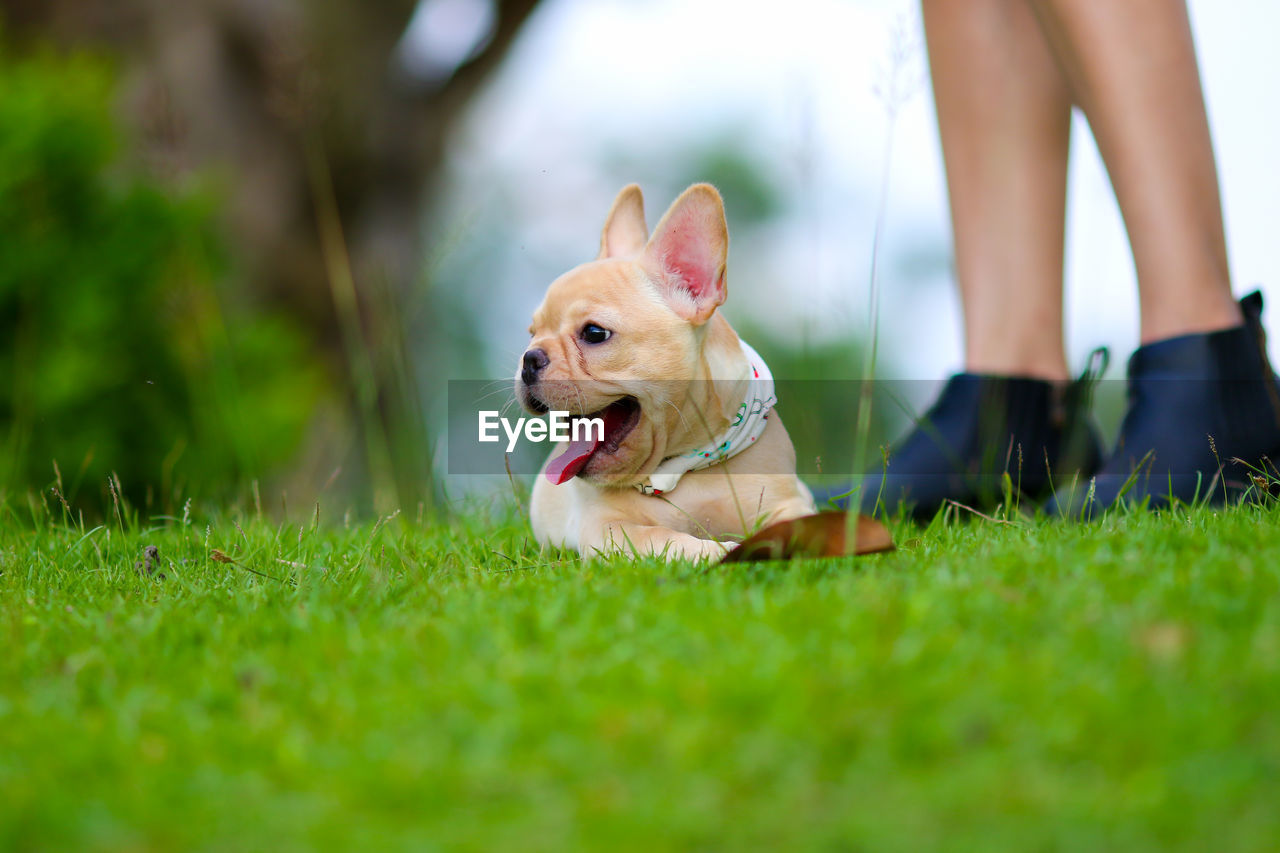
column 704, row 505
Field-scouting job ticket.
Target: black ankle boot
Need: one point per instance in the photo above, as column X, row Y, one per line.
column 980, row 429
column 1203, row 417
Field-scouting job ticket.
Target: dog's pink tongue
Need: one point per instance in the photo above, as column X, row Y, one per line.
column 567, row 465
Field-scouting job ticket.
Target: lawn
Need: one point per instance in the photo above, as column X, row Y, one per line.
column 993, row 686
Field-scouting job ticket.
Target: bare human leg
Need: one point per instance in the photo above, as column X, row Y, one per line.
column 1132, row 69
column 1004, row 116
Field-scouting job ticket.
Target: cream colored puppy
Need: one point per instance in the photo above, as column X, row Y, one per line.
column 692, row 451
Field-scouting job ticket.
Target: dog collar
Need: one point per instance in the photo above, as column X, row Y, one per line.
column 747, row 426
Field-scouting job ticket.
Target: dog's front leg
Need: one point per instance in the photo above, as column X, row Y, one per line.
column 620, row 537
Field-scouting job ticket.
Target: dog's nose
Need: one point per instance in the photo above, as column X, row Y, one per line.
column 534, row 361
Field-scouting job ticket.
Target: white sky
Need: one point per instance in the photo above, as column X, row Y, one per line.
column 797, row 82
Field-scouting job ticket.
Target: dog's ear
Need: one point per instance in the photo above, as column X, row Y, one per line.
column 625, row 231
column 688, row 251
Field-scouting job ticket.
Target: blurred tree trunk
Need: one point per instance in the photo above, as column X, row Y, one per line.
column 287, row 98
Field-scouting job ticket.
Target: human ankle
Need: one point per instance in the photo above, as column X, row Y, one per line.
column 987, row 365
column 1189, row 318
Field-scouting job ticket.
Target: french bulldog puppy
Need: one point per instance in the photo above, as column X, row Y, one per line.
column 692, row 452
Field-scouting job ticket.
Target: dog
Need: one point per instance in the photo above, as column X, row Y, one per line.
column 691, row 453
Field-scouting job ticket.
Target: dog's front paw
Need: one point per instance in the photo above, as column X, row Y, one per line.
column 712, row 550
column 691, row 548
column 653, row 541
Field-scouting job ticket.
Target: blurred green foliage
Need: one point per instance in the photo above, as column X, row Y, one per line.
column 725, row 158
column 819, row 392
column 122, row 348
column 740, row 173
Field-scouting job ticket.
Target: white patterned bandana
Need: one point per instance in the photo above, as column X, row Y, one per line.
column 747, row 426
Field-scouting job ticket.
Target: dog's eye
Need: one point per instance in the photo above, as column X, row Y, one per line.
column 593, row 334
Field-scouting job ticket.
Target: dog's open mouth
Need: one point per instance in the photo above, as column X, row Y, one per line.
column 619, row 417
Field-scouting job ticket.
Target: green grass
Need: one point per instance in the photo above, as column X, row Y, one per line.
column 988, row 686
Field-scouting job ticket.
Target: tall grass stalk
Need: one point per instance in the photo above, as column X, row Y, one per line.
column 894, row 90
column 337, row 263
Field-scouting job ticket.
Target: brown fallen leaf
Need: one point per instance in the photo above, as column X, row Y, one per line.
column 810, row 537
